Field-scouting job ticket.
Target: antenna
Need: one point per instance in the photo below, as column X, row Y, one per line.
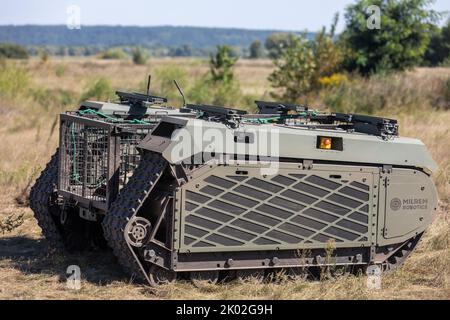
column 181, row 92
column 148, row 86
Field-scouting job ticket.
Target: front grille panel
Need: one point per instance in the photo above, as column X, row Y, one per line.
column 288, row 210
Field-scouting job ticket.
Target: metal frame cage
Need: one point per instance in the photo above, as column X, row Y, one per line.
column 96, row 158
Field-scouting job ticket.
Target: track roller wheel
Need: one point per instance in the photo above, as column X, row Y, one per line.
column 210, row 277
column 160, row 276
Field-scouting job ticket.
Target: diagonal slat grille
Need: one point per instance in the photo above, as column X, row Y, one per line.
column 284, row 210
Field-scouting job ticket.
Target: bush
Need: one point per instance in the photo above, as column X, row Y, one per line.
column 447, row 93
column 304, row 66
column 14, row 81
column 218, row 87
column 53, row 98
column 100, row 90
column 13, row 51
column 113, row 54
column 221, row 64
column 44, row 56
column 207, row 91
column 60, row 70
column 165, row 79
column 139, row 56
column 256, row 50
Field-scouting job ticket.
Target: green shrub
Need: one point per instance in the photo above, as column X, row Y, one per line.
column 14, row 81
column 53, row 98
column 256, row 50
column 44, row 56
column 227, row 94
column 113, row 54
column 139, row 56
column 221, row 65
column 165, row 79
column 305, row 66
column 219, row 86
column 447, row 92
column 207, row 91
column 13, row 51
column 60, row 70
column 200, row 92
column 100, row 90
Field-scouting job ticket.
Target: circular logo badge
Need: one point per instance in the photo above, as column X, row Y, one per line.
column 396, row 204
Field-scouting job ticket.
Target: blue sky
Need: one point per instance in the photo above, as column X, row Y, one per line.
column 296, row 15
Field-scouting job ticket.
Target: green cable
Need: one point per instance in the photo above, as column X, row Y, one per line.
column 98, row 113
column 278, row 118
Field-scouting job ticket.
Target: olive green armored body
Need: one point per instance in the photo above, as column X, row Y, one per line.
column 206, row 192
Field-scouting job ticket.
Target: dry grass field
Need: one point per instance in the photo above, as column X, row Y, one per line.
column 28, row 109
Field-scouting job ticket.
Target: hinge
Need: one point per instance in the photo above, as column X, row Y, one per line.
column 307, row 164
column 387, row 168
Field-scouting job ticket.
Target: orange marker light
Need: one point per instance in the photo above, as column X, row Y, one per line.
column 325, row 143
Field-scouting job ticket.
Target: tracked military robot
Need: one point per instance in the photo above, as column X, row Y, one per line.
column 339, row 190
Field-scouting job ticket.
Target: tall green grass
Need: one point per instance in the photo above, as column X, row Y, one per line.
column 393, row 93
column 14, row 80
column 99, row 89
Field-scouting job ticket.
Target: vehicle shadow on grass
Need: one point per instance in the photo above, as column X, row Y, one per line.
column 35, row 256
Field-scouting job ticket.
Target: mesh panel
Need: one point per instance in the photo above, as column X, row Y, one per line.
column 129, row 155
column 87, row 153
column 84, row 160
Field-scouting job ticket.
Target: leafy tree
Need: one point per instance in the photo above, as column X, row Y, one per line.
column 139, row 56
column 399, row 44
column 294, row 70
column 277, row 42
column 256, row 50
column 221, row 64
column 439, row 49
column 303, row 65
column 218, row 86
column 12, row 51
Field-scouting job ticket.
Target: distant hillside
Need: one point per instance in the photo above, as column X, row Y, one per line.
column 150, row 37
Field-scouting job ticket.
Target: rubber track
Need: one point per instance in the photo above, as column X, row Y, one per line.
column 40, row 195
column 126, row 206
column 398, row 259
